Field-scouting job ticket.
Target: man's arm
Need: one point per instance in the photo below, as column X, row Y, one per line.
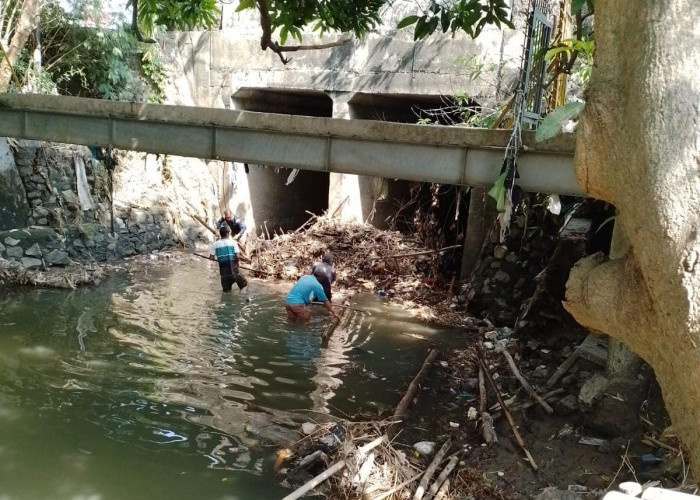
column 329, row 306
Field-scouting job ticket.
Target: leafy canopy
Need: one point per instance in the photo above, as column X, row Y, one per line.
column 290, row 17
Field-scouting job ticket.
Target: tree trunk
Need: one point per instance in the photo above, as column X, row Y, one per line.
column 639, row 148
column 28, row 21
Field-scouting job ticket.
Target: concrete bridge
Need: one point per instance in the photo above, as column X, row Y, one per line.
column 450, row 155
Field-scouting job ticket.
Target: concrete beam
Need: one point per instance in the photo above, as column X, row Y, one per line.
column 450, row 155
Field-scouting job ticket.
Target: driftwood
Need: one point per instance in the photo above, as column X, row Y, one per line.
column 442, row 477
column 530, row 404
column 405, row 402
column 333, row 469
column 487, row 429
column 425, row 252
column 526, row 385
column 509, row 417
column 420, row 491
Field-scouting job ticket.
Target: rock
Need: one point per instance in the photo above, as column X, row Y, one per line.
column 617, row 413
column 614, row 446
column 70, row 199
column 500, row 251
column 2, row 248
column 56, row 258
column 568, row 381
column 43, row 221
column 502, row 276
column 591, row 391
column 308, row 428
column 425, row 448
column 31, row 263
column 566, row 405
column 40, row 212
column 557, row 494
column 541, row 373
column 15, row 252
column 10, row 241
column 511, row 257
column 33, row 251
column 33, row 195
column 78, row 243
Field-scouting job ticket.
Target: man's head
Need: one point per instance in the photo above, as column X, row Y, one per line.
column 227, row 214
column 224, row 231
column 327, row 258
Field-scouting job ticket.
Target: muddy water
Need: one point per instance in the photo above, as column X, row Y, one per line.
column 163, row 387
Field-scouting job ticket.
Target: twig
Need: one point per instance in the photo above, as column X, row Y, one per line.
column 420, row 491
column 513, row 427
column 311, row 484
column 530, row 404
column 442, row 492
column 425, row 252
column 413, row 386
column 526, row 385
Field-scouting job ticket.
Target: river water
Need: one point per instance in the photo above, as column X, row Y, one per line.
column 162, row 386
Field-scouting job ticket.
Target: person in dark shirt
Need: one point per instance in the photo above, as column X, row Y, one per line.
column 326, row 275
column 235, row 224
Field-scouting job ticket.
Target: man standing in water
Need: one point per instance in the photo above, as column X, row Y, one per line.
column 226, row 252
column 305, row 291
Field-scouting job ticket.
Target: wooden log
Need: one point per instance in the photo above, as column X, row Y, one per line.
column 405, row 402
column 509, row 417
column 420, row 491
column 530, row 404
column 526, row 385
column 441, row 478
column 333, row 469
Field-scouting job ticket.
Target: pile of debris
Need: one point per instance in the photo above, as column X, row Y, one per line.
column 358, row 460
column 69, row 277
column 366, row 259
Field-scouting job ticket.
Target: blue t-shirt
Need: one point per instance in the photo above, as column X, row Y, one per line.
column 305, row 291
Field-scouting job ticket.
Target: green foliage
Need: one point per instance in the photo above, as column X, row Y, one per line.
column 470, row 16
column 551, row 125
column 98, row 62
column 176, row 14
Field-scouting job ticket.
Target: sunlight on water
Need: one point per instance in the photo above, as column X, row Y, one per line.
column 167, row 388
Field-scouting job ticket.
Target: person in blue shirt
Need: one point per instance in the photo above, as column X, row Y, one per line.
column 305, row 291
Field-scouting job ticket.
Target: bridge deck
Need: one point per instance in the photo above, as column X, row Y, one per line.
column 450, row 155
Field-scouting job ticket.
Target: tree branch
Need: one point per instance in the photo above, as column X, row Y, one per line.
column 135, row 24
column 266, row 41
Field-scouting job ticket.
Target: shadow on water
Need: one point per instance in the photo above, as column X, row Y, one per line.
column 164, row 386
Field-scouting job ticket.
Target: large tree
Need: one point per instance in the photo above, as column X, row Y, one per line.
column 18, row 18
column 638, row 147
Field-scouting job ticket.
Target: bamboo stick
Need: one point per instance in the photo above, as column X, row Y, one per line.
column 526, row 385
column 513, row 427
column 441, row 478
column 405, row 402
column 241, row 267
column 487, row 429
column 420, row 491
